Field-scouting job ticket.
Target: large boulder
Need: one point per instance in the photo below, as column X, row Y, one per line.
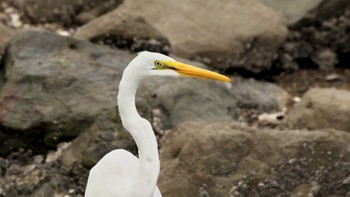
column 322, row 108
column 57, row 86
column 226, row 159
column 247, row 35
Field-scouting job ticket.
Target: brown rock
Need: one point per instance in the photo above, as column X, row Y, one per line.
column 225, row 159
column 322, row 108
column 244, row 34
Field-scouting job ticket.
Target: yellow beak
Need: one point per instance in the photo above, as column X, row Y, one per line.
column 191, row 71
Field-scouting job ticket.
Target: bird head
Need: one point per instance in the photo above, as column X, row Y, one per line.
column 157, row 64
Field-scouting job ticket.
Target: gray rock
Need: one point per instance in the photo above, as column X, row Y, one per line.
column 263, row 96
column 225, row 159
column 96, row 11
column 328, row 9
column 181, row 100
column 322, row 108
column 56, row 85
column 124, row 31
column 247, row 36
column 326, row 59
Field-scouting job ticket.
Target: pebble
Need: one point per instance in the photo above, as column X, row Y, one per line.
column 333, row 77
column 274, row 118
column 296, row 99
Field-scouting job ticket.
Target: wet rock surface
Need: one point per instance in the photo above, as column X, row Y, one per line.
column 58, row 113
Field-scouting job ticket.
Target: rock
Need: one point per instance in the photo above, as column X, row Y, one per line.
column 271, row 119
column 6, row 34
column 319, row 40
column 62, row 12
column 263, row 96
column 57, row 86
column 68, row 172
column 247, row 36
column 296, row 11
column 30, row 179
column 189, row 99
column 292, row 10
column 326, row 59
column 322, row 108
column 96, row 11
column 126, row 31
column 333, row 77
column 328, row 9
column 226, row 159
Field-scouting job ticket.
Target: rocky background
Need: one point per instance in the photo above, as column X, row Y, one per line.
column 281, row 128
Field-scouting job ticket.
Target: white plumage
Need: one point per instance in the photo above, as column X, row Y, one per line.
column 119, row 173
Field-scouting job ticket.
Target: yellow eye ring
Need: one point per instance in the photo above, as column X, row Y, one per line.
column 157, row 63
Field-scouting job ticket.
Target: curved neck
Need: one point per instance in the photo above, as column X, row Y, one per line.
column 142, row 132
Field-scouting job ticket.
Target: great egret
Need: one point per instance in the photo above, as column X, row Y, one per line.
column 119, row 173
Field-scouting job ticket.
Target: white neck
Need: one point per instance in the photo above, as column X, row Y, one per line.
column 141, row 131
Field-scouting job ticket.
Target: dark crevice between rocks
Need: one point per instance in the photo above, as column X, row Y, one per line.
column 33, row 139
column 306, row 63
column 3, row 59
column 344, row 60
column 12, row 140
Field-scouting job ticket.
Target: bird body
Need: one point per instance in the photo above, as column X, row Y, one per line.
column 120, row 173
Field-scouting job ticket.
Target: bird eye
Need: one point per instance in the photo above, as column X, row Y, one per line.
column 157, row 63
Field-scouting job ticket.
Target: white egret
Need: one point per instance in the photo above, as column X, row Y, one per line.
column 119, row 173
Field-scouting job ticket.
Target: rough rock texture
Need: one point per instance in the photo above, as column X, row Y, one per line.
column 67, row 173
column 262, row 96
column 319, row 40
column 56, row 86
column 224, row 159
column 246, row 37
column 322, row 108
column 62, row 11
column 126, row 31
